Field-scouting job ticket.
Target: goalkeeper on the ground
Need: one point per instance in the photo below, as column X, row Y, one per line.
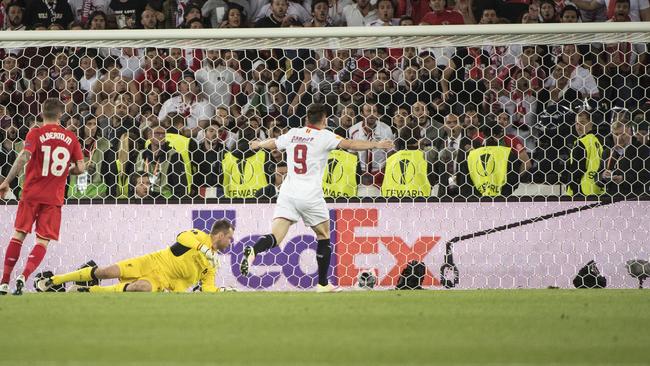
column 192, row 259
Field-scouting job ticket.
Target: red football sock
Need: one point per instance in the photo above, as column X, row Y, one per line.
column 34, row 260
column 11, row 257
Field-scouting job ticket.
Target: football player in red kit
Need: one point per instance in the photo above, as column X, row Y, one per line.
column 49, row 151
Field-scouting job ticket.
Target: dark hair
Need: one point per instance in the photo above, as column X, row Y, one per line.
column 52, row 108
column 242, row 13
column 570, row 8
column 623, row 1
column 93, row 15
column 220, row 226
column 405, row 18
column 315, row 113
column 12, row 4
column 316, row 2
column 194, row 20
column 392, row 3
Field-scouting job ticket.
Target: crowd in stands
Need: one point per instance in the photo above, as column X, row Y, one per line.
column 176, row 122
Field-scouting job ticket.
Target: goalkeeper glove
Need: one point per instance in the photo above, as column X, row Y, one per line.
column 210, row 255
column 227, row 289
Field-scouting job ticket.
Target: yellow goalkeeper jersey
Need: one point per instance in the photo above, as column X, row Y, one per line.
column 183, row 265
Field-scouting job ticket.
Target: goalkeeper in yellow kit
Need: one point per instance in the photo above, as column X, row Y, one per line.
column 191, row 259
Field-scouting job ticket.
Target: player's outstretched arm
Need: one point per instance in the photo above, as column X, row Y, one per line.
column 18, row 167
column 78, row 168
column 268, row 144
column 360, row 145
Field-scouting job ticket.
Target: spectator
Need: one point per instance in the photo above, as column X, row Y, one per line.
column 370, row 128
column 141, row 186
column 14, row 17
column 627, row 164
column 90, row 184
column 320, row 14
column 359, row 13
column 278, row 15
column 127, row 12
column 444, row 155
column 547, row 12
column 216, row 79
column 96, row 20
column 570, row 14
column 411, row 89
column 581, row 80
column 8, row 141
column 440, row 15
column 639, row 10
column 234, row 17
column 225, row 125
column 347, row 119
column 489, row 16
column 47, row 12
column 295, row 12
column 521, row 103
column 190, row 12
column 195, row 23
column 464, row 7
column 208, row 158
column 401, row 118
column 385, row 14
column 88, row 66
column 83, row 9
column 512, row 141
column 164, row 166
column 189, row 103
column 642, row 135
column 463, row 75
column 148, row 19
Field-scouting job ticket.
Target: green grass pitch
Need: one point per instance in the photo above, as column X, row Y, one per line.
column 516, row 327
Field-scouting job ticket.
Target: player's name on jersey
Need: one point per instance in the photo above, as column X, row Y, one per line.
column 301, row 139
column 55, row 136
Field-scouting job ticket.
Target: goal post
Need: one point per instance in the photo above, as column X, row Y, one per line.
column 485, row 180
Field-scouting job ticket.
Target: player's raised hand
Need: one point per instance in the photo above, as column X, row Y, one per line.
column 254, row 144
column 386, row 144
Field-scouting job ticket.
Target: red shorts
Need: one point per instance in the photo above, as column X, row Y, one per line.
column 47, row 218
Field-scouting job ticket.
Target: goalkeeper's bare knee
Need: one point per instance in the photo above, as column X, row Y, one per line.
column 138, row 286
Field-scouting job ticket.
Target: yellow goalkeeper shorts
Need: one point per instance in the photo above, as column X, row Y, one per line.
column 143, row 268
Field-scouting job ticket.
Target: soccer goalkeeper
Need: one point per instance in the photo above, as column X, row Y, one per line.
column 191, row 259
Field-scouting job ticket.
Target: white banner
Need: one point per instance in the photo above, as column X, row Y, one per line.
column 381, row 237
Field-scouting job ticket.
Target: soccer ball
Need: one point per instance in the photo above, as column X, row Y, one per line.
column 367, row 279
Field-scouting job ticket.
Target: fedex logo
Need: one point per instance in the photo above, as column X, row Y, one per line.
column 351, row 253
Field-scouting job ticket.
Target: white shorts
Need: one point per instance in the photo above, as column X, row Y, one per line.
column 312, row 213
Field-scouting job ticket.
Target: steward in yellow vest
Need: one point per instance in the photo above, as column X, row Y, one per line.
column 242, row 177
column 340, row 178
column 490, row 170
column 406, row 175
column 586, row 159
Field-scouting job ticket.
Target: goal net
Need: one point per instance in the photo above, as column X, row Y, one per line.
column 521, row 151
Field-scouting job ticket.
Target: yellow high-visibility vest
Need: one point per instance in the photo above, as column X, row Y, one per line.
column 406, row 175
column 340, row 177
column 488, row 169
column 594, row 151
column 241, row 179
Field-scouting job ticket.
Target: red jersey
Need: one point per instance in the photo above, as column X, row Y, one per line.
column 52, row 150
column 444, row 17
column 513, row 142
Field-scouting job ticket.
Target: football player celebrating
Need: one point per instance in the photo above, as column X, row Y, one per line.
column 301, row 193
column 192, row 258
column 48, row 153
